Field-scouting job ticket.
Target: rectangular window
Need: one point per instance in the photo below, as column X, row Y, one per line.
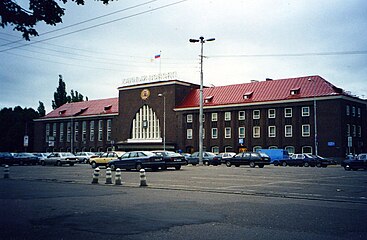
column 348, row 130
column 288, row 112
column 203, row 133
column 241, row 132
column 100, row 130
column 288, row 131
column 227, row 116
column 272, row 131
column 347, row 109
column 305, row 111
column 256, row 114
column 68, row 132
column 54, row 130
column 76, row 131
column 256, row 132
column 47, row 131
column 91, row 131
column 353, row 111
column 189, row 133
column 227, row 132
column 189, row 118
column 306, row 130
column 214, row 117
column 359, row 131
column 271, row 113
column 109, row 129
column 359, row 112
column 61, row 132
column 354, row 131
column 84, row 131
column 241, row 115
column 214, row 133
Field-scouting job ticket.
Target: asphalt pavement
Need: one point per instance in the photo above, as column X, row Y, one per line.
column 193, row 203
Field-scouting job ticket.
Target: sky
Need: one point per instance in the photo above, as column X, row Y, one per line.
column 98, row 47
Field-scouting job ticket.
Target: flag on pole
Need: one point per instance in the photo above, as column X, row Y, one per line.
column 157, row 56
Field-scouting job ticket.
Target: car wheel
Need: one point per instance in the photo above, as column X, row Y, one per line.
column 306, row 164
column 71, row 164
column 206, row 163
column 164, row 168
column 237, row 165
column 58, row 163
column 21, row 163
column 252, row 164
column 113, row 167
column 138, row 166
column 178, row 167
column 228, row 164
column 275, row 163
column 261, row 165
column 318, row 165
column 347, row 168
column 94, row 164
column 43, row 163
column 284, row 164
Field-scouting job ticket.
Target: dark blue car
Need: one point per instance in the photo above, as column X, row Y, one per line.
column 137, row 160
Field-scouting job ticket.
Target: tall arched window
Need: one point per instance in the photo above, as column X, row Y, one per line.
column 145, row 125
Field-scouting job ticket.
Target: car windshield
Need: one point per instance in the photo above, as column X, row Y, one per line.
column 67, row 154
column 210, row 154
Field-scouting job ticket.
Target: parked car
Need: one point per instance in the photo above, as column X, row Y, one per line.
column 59, row 158
column 84, row 157
column 105, row 158
column 223, row 156
column 25, row 158
column 171, row 159
column 248, row 158
column 294, row 160
column 322, row 162
column 137, row 160
column 209, row 158
column 41, row 156
column 6, row 158
column 360, row 162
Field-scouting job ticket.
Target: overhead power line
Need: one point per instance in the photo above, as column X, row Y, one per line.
column 291, row 54
column 97, row 25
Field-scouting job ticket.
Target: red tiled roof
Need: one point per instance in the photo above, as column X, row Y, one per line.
column 264, row 91
column 86, row 108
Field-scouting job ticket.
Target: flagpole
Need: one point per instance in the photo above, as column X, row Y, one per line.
column 160, row 62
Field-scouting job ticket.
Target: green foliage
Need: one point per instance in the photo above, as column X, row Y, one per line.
column 24, row 20
column 60, row 97
column 14, row 125
column 41, row 109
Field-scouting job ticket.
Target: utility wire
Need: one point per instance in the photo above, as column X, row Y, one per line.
column 98, row 25
column 85, row 21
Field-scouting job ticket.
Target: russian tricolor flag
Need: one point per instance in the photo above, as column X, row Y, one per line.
column 157, row 56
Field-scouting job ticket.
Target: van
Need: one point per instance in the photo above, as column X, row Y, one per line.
column 277, row 156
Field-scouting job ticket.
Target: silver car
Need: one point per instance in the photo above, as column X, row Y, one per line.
column 59, row 158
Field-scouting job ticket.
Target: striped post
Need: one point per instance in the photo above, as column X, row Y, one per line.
column 143, row 179
column 6, row 171
column 118, row 177
column 108, row 176
column 95, row 175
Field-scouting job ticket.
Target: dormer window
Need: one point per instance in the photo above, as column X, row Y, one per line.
column 248, row 95
column 208, row 99
column 62, row 112
column 295, row 91
column 108, row 107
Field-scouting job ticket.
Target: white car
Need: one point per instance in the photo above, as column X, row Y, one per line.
column 84, row 157
column 59, row 158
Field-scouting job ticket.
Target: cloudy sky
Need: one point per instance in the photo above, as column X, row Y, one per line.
column 97, row 47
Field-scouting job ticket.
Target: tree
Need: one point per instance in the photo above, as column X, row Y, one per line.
column 24, row 20
column 75, row 96
column 41, row 109
column 60, row 97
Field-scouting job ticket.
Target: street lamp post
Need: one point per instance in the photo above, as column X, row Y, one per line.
column 314, row 114
column 164, row 120
column 202, row 41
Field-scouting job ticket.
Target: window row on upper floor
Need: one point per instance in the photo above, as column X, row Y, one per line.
column 353, row 111
column 70, row 131
column 256, row 114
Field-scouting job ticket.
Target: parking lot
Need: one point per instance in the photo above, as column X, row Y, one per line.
column 49, row 202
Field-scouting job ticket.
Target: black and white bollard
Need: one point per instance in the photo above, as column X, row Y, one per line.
column 95, row 176
column 143, row 179
column 118, row 177
column 108, row 176
column 6, row 171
